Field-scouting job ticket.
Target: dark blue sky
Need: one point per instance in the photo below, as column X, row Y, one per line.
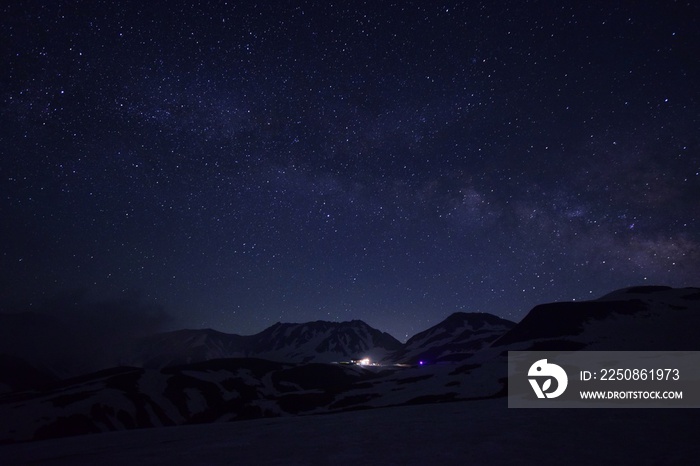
column 252, row 162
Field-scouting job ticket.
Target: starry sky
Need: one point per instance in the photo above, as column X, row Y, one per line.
column 234, row 164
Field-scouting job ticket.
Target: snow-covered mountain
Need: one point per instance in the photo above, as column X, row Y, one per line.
column 639, row 318
column 323, row 342
column 284, row 342
column 67, row 352
column 454, row 339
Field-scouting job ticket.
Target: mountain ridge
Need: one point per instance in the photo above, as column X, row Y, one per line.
column 317, row 341
column 456, row 338
column 219, row 390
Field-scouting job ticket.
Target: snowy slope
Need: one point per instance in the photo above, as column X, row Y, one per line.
column 635, row 319
column 230, row 389
column 474, row 432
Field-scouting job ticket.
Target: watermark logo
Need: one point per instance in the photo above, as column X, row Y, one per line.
column 544, row 371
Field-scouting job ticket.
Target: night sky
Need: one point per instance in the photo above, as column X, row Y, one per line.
column 234, row 165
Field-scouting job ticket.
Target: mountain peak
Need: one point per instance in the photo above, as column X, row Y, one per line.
column 456, row 338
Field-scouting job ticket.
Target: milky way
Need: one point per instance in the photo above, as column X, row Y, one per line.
column 250, row 163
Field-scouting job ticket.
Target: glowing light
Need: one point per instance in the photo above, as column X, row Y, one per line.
column 363, row 362
column 420, row 363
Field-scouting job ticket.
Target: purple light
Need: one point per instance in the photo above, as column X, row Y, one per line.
column 420, row 363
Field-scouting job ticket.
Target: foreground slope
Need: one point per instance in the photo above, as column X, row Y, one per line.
column 226, row 390
column 473, row 432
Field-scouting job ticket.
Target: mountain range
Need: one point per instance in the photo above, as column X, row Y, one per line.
column 455, row 338
column 196, row 376
column 318, row 341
